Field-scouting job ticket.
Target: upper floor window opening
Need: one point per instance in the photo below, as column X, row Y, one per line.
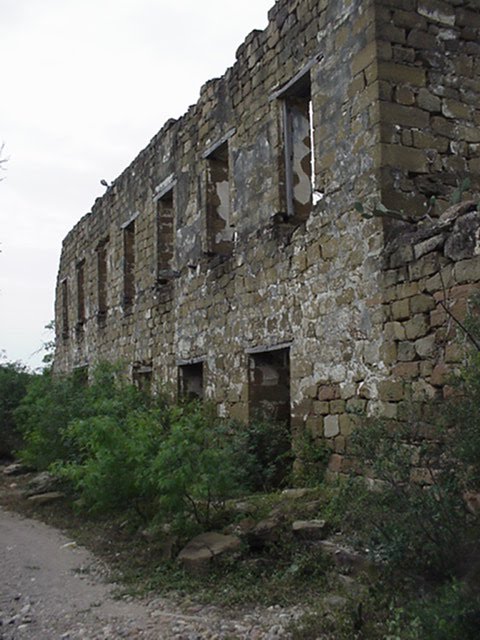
column 165, row 235
column 65, row 322
column 298, row 147
column 219, row 232
column 102, row 273
column 128, row 265
column 81, row 315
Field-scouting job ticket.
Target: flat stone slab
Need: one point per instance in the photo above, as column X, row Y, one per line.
column 200, row 551
column 265, row 532
column 42, row 482
column 16, row 469
column 347, row 560
column 45, row 498
column 310, row 529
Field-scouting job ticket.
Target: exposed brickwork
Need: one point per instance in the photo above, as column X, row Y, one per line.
column 394, row 88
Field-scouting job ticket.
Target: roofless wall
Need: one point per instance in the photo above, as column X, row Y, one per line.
column 228, row 262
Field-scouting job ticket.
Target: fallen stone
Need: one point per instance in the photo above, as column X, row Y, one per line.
column 41, row 483
column 16, row 469
column 265, row 532
column 457, row 210
column 45, row 498
column 297, row 493
column 310, row 529
column 334, row 603
column 348, row 561
column 202, row 550
column 472, row 501
column 241, row 528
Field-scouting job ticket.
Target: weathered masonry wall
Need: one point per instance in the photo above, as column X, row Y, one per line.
column 228, row 262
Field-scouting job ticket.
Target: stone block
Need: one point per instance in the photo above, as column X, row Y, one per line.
column 455, row 109
column 402, row 74
column 468, row 270
column 417, row 327
column 439, row 375
column 310, row 529
column 428, row 245
column 405, row 116
column 425, row 347
column 406, row 351
column 394, row 331
column 401, row 256
column 329, row 392
column 437, row 11
column 331, row 426
column 406, row 371
column 362, row 59
column 390, row 390
column 454, row 353
column 407, row 158
column 337, row 406
column 346, row 425
column 400, row 309
column 422, row 303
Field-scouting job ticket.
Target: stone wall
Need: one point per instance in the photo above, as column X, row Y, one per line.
column 215, row 261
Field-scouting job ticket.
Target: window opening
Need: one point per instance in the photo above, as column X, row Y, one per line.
column 102, row 281
column 165, row 237
column 190, row 381
column 269, row 385
column 80, row 375
column 142, row 378
column 65, row 326
column 129, row 265
column 299, row 148
column 219, row 231
column 80, row 294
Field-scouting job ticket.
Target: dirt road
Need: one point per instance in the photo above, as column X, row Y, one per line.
column 52, row 589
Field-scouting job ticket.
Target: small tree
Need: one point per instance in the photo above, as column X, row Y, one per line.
column 14, row 379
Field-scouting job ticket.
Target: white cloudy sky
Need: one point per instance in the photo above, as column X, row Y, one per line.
column 84, row 85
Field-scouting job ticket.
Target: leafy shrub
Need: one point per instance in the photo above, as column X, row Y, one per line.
column 112, row 468
column 14, row 379
column 312, row 456
column 450, row 613
column 195, row 467
column 52, row 403
column 263, row 452
column 121, row 449
column 421, row 528
column 462, row 424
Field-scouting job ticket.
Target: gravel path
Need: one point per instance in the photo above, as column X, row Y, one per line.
column 53, row 589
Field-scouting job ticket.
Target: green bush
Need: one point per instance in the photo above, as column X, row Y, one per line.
column 450, row 613
column 121, row 449
column 52, row 403
column 263, row 453
column 196, row 467
column 14, row 380
column 422, row 529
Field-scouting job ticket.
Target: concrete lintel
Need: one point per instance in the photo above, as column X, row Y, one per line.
column 133, row 217
column 283, row 89
column 181, row 362
column 218, row 143
column 264, row 348
column 164, row 187
column 142, row 369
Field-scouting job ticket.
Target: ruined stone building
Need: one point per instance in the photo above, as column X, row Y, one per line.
column 228, row 260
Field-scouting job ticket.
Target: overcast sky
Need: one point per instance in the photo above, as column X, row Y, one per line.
column 85, row 84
